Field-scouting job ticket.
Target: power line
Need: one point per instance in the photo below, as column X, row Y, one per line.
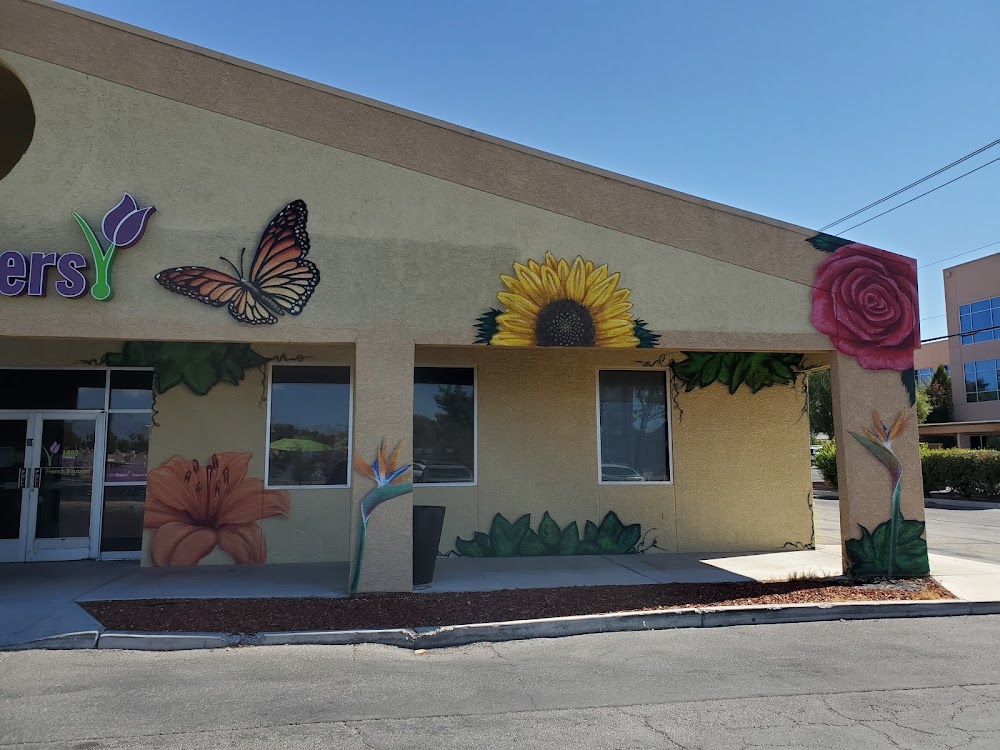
column 959, row 255
column 912, row 184
column 945, row 184
column 960, row 333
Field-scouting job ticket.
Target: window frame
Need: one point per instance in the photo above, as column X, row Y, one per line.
column 475, row 427
column 350, row 429
column 668, row 385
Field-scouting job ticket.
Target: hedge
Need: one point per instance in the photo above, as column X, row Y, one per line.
column 967, row 472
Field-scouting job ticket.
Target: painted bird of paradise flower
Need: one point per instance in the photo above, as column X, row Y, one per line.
column 390, row 481
column 896, row 547
column 197, row 507
column 556, row 303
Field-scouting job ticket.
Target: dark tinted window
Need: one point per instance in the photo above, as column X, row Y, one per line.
column 309, row 419
column 634, row 425
column 52, row 389
column 131, row 389
column 444, row 425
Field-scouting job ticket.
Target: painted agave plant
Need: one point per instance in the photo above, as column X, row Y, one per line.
column 390, row 481
column 896, row 547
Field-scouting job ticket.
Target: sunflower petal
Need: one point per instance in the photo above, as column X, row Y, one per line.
column 517, row 303
column 553, row 285
column 532, row 284
column 503, row 338
column 575, row 286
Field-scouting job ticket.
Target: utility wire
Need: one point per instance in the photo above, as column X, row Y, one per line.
column 960, row 333
column 944, row 184
column 959, row 255
column 912, row 184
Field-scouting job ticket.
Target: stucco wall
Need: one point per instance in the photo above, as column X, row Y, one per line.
column 396, row 248
column 740, row 462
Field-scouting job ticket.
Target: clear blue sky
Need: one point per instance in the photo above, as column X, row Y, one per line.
column 804, row 111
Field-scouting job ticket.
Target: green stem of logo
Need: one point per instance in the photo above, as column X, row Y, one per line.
column 102, row 261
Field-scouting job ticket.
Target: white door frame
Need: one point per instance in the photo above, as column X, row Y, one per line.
column 13, row 550
column 65, row 548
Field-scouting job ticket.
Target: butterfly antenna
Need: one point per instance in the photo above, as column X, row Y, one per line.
column 242, row 253
column 239, row 272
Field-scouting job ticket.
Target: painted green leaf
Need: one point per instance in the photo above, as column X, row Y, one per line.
column 628, row 538
column 569, row 540
column 756, row 369
column 869, row 556
column 199, row 376
column 909, row 378
column 487, row 326
column 532, row 545
column 548, row 532
column 647, row 339
column 827, row 243
column 505, row 539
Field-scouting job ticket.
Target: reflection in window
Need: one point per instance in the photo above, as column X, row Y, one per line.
column 981, row 380
column 309, row 426
column 980, row 321
column 128, row 447
column 444, row 425
column 634, row 426
column 127, row 458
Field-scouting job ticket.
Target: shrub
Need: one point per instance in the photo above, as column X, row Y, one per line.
column 967, row 472
column 826, row 462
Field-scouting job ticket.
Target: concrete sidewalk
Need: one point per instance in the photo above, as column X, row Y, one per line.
column 38, row 601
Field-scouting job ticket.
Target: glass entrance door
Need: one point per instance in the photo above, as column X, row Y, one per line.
column 61, row 508
column 14, row 471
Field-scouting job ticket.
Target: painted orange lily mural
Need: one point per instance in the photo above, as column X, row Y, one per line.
column 390, row 481
column 195, row 508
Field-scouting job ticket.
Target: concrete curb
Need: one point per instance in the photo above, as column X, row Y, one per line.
column 556, row 627
column 82, row 639
column 165, row 641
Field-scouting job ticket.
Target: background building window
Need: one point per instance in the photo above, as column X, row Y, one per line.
column 983, row 317
column 634, row 425
column 981, row 380
column 309, row 414
column 444, row 425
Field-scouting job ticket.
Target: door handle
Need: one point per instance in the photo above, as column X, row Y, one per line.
column 22, row 478
column 38, row 476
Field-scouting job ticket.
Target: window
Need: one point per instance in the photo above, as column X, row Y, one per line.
column 130, row 405
column 309, row 415
column 924, row 375
column 444, row 425
column 981, row 380
column 979, row 321
column 984, row 442
column 634, row 426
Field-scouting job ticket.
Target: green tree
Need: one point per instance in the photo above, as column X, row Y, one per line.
column 820, row 403
column 923, row 405
column 939, row 396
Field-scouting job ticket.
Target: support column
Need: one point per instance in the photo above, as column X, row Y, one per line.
column 382, row 498
column 878, row 470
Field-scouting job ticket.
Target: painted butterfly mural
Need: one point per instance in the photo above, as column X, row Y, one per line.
column 280, row 279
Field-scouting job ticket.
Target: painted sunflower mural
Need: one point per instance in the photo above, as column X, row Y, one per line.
column 559, row 304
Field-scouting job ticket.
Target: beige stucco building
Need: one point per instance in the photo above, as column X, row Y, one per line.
column 972, row 352
column 568, row 361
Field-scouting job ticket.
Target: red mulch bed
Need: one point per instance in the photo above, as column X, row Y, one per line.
column 421, row 610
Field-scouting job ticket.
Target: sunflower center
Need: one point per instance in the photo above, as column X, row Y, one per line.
column 565, row 323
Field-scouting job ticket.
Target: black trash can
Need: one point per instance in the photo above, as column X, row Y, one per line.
column 427, row 523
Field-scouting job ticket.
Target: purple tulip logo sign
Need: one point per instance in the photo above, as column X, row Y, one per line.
column 122, row 226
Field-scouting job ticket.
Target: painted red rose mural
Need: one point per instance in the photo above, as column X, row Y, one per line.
column 865, row 300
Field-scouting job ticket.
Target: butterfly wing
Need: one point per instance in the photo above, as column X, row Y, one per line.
column 206, row 285
column 280, row 275
column 246, row 307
